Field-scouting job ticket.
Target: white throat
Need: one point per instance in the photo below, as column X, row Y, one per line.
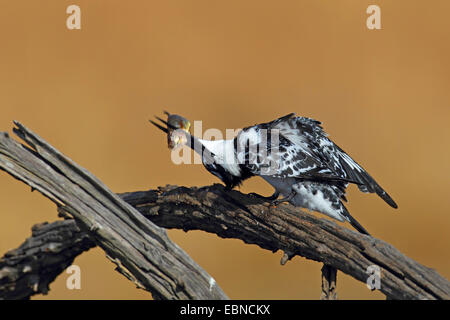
column 224, row 154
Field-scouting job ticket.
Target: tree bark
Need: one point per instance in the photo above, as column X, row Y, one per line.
column 52, row 247
column 329, row 277
column 229, row 214
column 140, row 249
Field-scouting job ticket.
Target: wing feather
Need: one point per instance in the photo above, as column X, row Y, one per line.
column 305, row 151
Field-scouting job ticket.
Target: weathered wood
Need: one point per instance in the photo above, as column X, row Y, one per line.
column 30, row 268
column 329, row 277
column 141, row 250
column 231, row 214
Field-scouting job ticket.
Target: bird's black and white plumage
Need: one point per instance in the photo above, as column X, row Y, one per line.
column 297, row 158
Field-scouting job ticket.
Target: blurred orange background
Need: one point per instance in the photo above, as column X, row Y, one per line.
column 382, row 95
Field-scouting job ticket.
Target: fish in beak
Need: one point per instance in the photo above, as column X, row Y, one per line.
column 176, row 127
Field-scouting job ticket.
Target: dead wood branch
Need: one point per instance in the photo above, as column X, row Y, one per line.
column 329, row 277
column 231, row 214
column 30, row 268
column 141, row 250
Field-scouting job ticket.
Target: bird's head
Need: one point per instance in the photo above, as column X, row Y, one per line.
column 176, row 128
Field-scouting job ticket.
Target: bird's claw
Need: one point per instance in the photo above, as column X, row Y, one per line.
column 275, row 202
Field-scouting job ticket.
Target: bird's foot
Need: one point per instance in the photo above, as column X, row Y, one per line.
column 276, row 202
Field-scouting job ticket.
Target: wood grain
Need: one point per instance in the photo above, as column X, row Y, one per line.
column 126, row 227
column 142, row 251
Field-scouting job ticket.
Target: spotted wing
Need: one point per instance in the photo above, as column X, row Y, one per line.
column 275, row 149
column 309, row 136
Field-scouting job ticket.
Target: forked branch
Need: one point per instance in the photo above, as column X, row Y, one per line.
column 141, row 250
column 229, row 214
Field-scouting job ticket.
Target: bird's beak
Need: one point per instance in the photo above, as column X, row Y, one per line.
column 176, row 128
column 159, row 126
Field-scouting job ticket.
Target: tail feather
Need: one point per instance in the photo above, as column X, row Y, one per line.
column 365, row 182
column 324, row 198
column 384, row 195
column 354, row 222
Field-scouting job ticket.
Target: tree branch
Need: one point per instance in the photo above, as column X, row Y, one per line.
column 231, row 214
column 30, row 268
column 329, row 276
column 141, row 250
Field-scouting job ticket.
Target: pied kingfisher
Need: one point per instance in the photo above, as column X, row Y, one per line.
column 291, row 153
